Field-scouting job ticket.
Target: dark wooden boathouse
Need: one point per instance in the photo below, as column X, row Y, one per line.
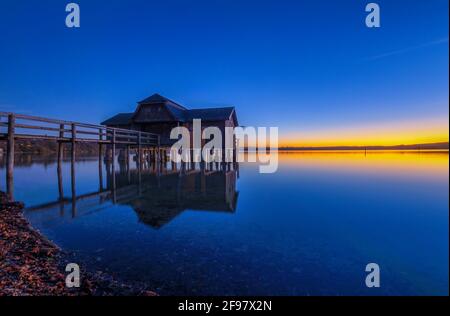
column 157, row 114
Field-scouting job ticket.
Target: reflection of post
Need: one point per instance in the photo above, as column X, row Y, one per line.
column 61, row 208
column 100, row 175
column 139, row 183
column 74, row 207
column 60, row 159
column 60, row 180
column 202, row 167
column 108, row 173
column 180, row 182
column 72, row 169
column 10, row 158
column 203, row 183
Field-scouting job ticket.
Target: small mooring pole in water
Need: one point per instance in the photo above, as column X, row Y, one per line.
column 10, row 157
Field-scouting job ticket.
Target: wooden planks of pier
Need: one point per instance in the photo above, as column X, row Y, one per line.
column 18, row 126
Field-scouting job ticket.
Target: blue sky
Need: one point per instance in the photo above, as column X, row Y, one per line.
column 304, row 66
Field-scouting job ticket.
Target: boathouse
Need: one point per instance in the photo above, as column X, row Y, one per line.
column 157, row 114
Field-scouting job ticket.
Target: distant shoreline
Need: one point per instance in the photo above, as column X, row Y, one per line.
column 46, row 148
column 418, row 147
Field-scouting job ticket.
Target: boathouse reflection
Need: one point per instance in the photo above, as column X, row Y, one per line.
column 156, row 192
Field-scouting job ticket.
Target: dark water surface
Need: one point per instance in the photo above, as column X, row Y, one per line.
column 308, row 229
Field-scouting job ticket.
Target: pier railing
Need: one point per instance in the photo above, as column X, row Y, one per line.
column 18, row 126
column 33, row 127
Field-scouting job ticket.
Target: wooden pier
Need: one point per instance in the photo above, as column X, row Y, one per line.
column 18, row 126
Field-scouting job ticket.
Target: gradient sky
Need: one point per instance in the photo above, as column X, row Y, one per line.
column 312, row 68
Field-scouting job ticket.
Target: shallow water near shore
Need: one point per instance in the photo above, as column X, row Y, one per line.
column 308, row 229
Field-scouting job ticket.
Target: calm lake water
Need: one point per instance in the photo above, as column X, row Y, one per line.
column 308, row 229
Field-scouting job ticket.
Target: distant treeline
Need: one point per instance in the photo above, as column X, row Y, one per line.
column 45, row 147
column 428, row 146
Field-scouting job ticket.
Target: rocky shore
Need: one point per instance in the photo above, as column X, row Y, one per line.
column 32, row 265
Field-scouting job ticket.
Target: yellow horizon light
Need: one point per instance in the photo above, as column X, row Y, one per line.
column 409, row 133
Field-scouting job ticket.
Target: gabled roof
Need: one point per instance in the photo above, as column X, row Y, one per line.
column 211, row 114
column 157, row 98
column 177, row 111
column 119, row 119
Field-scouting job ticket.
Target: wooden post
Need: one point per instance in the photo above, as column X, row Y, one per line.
column 159, row 150
column 235, row 148
column 100, row 144
column 74, row 137
column 100, row 163
column 139, row 151
column 127, row 159
column 60, row 160
column 72, row 164
column 113, row 140
column 10, row 158
column 139, row 182
column 60, row 143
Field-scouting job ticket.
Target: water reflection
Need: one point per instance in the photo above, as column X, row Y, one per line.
column 308, row 229
column 156, row 192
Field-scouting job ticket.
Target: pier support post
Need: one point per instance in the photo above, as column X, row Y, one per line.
column 100, row 163
column 10, row 157
column 139, row 151
column 114, row 165
column 127, row 160
column 72, row 169
column 60, row 160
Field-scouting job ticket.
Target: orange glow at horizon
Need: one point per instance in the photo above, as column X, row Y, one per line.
column 385, row 134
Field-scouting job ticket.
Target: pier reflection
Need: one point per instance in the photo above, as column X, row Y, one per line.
column 156, row 192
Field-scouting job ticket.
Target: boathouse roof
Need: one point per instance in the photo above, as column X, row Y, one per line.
column 119, row 119
column 177, row 112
